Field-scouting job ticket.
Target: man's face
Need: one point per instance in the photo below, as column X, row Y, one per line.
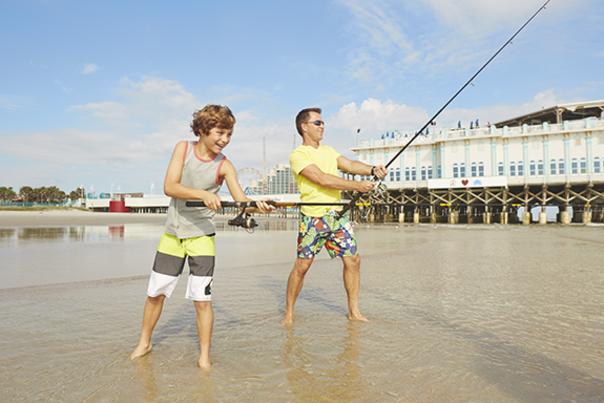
column 314, row 126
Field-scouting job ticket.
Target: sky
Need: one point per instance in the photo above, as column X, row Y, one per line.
column 96, row 94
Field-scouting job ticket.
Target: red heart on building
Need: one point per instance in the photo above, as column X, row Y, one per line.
column 464, row 182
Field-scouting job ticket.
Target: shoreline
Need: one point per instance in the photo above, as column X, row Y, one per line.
column 75, row 217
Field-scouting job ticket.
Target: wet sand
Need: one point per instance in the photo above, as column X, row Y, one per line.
column 458, row 313
column 74, row 217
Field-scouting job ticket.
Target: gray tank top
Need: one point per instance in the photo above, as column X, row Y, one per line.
column 188, row 222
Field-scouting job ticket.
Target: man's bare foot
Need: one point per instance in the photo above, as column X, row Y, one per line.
column 140, row 350
column 357, row 316
column 204, row 363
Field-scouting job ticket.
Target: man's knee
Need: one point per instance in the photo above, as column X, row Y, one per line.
column 352, row 262
column 302, row 265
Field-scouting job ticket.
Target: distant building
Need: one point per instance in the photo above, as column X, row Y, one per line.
column 278, row 181
column 561, row 144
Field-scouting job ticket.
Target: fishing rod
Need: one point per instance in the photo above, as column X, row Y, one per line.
column 245, row 220
column 420, row 131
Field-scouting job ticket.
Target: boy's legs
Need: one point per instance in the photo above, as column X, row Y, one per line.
column 199, row 289
column 151, row 314
column 205, row 322
column 167, row 267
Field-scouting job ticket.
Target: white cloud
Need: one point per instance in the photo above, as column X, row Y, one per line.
column 8, row 104
column 89, row 69
column 375, row 116
column 472, row 16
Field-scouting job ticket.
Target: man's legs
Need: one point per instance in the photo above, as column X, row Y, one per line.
column 294, row 286
column 352, row 284
column 151, row 314
column 205, row 322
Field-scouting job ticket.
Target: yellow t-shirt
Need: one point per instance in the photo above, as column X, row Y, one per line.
column 326, row 158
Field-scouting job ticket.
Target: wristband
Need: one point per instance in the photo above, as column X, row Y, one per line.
column 373, row 170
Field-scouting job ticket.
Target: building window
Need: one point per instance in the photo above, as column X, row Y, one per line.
column 439, row 171
column 597, row 166
column 424, row 173
column 430, row 172
column 462, row 169
column 532, row 168
column 574, row 166
column 500, row 169
column 583, row 165
column 552, row 167
column 398, row 174
column 474, row 169
column 540, row 167
column 480, row 168
column 413, row 174
column 520, row 168
column 561, row 167
column 407, row 174
column 391, row 175
column 512, row 168
column 455, row 170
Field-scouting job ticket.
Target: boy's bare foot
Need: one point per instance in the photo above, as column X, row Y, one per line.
column 357, row 316
column 287, row 320
column 204, row 363
column 140, row 350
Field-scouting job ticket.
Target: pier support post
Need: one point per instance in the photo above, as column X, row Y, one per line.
column 587, row 215
column 542, row 216
column 433, row 217
column 470, row 215
column 486, row 216
column 401, row 216
column 504, row 217
column 564, row 215
column 526, row 217
column 416, row 216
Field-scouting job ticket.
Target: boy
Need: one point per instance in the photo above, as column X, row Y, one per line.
column 196, row 171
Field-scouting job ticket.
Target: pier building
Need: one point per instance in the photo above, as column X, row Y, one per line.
column 552, row 158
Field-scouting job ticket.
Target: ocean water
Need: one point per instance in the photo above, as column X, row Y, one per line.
column 457, row 313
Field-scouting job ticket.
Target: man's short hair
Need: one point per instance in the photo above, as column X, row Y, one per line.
column 211, row 116
column 303, row 116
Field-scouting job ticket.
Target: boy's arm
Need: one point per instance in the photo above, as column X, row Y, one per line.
column 360, row 168
column 172, row 186
column 314, row 174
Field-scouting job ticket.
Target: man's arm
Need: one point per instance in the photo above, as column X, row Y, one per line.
column 360, row 168
column 314, row 174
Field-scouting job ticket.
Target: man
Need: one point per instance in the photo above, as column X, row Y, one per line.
column 315, row 167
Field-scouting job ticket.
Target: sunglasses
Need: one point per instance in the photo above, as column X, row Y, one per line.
column 317, row 123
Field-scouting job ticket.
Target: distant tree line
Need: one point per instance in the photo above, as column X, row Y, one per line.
column 50, row 194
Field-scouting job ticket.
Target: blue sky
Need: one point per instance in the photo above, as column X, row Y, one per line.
column 98, row 93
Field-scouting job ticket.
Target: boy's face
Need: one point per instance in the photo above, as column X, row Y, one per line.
column 217, row 139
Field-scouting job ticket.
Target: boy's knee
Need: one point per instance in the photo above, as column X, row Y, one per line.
column 302, row 266
column 202, row 306
column 353, row 262
column 159, row 299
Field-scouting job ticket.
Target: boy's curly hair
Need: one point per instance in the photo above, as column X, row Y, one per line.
column 211, row 116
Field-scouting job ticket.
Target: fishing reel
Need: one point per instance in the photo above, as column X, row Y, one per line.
column 379, row 194
column 244, row 220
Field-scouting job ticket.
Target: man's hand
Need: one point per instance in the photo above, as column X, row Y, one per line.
column 211, row 200
column 365, row 186
column 380, row 171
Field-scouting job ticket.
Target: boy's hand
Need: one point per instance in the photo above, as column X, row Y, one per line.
column 264, row 207
column 211, row 200
column 365, row 186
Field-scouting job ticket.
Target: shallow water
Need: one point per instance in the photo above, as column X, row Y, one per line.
column 458, row 313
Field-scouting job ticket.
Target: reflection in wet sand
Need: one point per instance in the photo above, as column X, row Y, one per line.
column 311, row 378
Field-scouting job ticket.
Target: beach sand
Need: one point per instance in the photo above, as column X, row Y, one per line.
column 457, row 313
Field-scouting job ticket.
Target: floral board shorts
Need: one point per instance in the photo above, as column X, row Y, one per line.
column 334, row 233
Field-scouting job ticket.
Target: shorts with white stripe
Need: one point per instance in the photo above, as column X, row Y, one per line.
column 170, row 261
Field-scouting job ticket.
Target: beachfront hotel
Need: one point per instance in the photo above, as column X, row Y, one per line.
column 549, row 158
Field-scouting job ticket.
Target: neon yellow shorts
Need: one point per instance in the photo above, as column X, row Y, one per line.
column 170, row 261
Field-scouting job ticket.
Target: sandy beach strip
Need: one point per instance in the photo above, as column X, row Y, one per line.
column 74, row 217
